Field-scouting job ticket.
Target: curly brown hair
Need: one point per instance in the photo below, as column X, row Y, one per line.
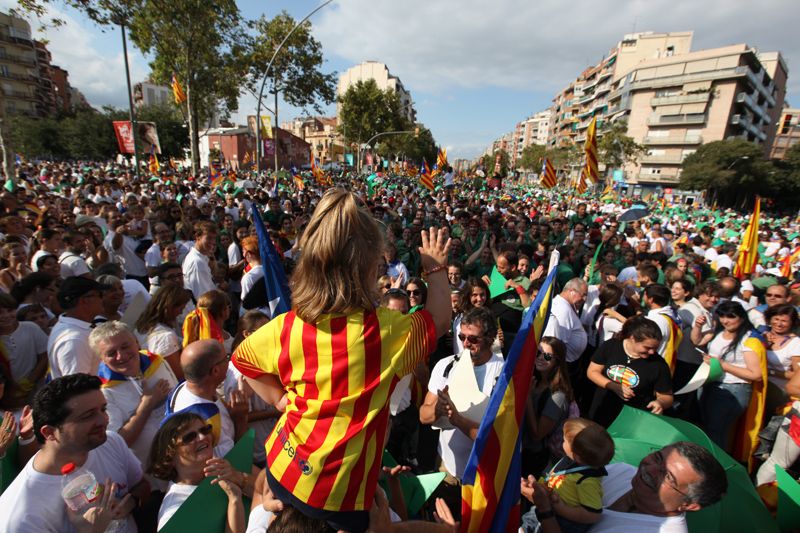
column 161, row 461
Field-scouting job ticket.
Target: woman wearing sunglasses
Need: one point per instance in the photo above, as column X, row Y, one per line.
column 742, row 356
column 417, row 292
column 550, row 403
column 627, row 370
column 182, row 453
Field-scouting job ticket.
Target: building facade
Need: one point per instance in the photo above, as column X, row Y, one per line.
column 321, row 134
column 533, row 130
column 374, row 70
column 787, row 133
column 674, row 104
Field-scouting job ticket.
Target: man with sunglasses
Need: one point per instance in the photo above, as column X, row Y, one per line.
column 70, row 422
column 478, row 331
column 680, row 478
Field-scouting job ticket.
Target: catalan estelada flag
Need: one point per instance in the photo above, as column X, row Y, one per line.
column 441, row 158
column 318, row 174
column 279, row 296
column 748, row 249
column 149, row 363
column 549, row 178
column 581, row 185
column 153, row 165
column 673, row 341
column 425, row 177
column 199, row 325
column 490, row 486
column 177, row 90
column 590, row 147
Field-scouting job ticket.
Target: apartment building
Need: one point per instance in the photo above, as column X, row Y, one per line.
column 587, row 96
column 379, row 72
column 675, row 103
column 19, row 69
column 533, row 130
column 787, row 134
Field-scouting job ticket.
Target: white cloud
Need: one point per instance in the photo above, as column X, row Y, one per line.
column 520, row 44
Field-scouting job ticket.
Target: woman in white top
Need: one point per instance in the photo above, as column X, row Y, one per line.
column 783, row 352
column 182, row 453
column 155, row 328
column 722, row 402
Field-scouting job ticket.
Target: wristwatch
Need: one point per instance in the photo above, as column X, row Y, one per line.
column 544, row 515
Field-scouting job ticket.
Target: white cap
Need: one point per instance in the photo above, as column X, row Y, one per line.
column 747, row 285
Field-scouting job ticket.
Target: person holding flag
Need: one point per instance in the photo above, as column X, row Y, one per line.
column 332, row 362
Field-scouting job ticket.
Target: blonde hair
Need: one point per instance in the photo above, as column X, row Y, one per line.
column 340, row 249
column 590, row 442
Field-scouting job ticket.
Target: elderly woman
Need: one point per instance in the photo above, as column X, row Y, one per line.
column 182, row 453
column 333, row 361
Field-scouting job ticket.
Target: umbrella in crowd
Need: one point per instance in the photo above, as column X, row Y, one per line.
column 634, row 214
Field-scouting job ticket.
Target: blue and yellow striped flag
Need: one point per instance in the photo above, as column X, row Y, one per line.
column 490, row 486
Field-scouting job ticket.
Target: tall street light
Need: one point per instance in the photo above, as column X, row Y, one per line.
column 264, row 83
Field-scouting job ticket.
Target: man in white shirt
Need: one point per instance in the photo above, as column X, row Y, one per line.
column 68, row 350
column 677, row 479
column 197, row 274
column 565, row 324
column 70, row 424
column 125, row 248
column 478, row 331
column 205, row 366
column 71, row 259
column 135, row 385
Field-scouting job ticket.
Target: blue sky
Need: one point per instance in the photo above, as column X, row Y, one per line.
column 474, row 68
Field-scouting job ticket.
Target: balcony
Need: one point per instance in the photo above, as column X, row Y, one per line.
column 746, row 123
column 680, row 99
column 665, row 159
column 749, row 101
column 19, row 77
column 673, row 139
column 680, row 79
column 657, row 178
column 13, row 58
column 22, row 41
column 671, row 120
column 758, row 83
column 19, row 94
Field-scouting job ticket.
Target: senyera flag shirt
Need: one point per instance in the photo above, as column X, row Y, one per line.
column 339, row 373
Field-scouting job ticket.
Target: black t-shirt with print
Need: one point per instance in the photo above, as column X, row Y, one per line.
column 644, row 376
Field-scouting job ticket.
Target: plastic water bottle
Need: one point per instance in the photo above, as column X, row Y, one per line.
column 79, row 488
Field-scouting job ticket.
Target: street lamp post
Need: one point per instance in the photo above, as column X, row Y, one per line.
column 264, row 83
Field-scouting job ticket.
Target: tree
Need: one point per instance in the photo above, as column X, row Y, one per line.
column 615, row 149
column 531, row 158
column 414, row 148
column 731, row 171
column 295, row 72
column 366, row 110
column 172, row 134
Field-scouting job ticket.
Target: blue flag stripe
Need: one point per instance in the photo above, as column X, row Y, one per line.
column 277, row 286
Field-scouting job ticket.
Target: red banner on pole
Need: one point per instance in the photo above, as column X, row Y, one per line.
column 124, row 132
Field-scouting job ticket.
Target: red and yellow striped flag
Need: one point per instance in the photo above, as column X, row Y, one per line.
column 298, row 182
column 490, row 490
column 748, row 249
column 590, row 147
column 549, row 178
column 788, row 262
column 425, row 177
column 581, row 186
column 177, row 90
column 153, row 165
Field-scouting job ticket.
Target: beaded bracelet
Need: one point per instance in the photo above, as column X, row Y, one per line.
column 434, row 270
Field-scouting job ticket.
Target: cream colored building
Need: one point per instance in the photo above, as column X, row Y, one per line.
column 675, row 103
column 533, row 130
column 374, row 70
column 320, row 133
column 787, row 133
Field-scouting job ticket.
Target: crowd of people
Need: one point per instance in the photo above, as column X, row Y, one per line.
column 137, row 342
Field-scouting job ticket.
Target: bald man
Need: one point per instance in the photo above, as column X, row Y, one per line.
column 205, row 365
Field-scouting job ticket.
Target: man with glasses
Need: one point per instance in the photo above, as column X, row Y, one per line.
column 477, row 332
column 205, row 365
column 677, row 479
column 68, row 350
column 135, row 385
column 70, row 423
column 565, row 324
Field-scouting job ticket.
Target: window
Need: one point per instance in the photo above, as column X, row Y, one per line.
column 151, row 95
column 670, row 51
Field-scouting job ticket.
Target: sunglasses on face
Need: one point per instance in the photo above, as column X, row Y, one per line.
column 387, row 286
column 415, row 292
column 544, row 355
column 473, row 339
column 192, row 436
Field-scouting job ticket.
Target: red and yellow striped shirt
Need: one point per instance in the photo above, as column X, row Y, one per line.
column 339, row 374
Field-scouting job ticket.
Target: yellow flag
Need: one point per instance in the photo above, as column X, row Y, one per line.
column 266, row 127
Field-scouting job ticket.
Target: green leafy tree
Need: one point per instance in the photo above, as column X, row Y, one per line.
column 731, row 171
column 531, row 158
column 172, row 129
column 295, row 73
column 366, row 110
column 565, row 157
column 615, row 148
